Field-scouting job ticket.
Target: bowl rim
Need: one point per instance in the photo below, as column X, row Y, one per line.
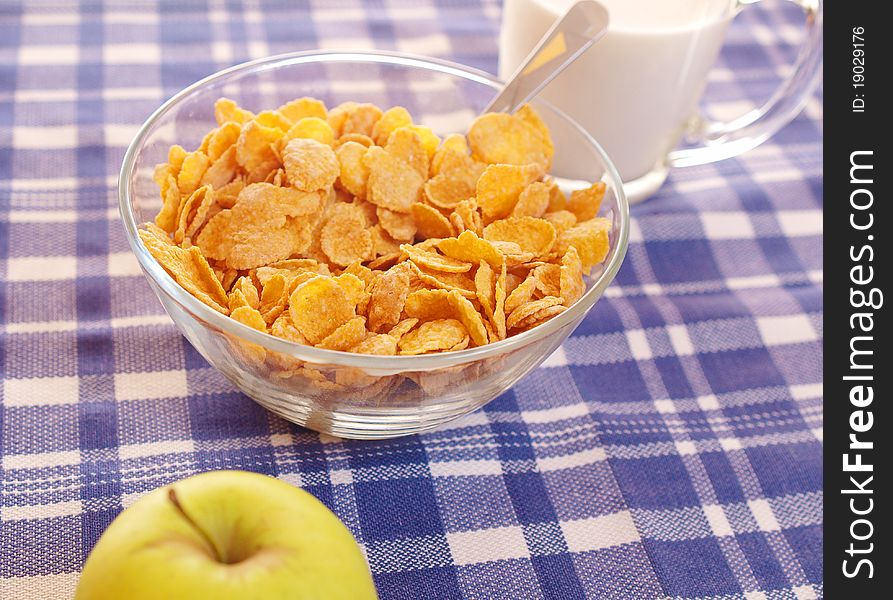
column 398, row 363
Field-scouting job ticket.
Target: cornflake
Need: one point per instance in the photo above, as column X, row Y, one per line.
column 344, row 239
column 536, row 236
column 387, row 299
column 264, row 226
column 310, row 165
column 357, row 230
column 313, row 128
column 318, row 307
column 499, row 187
column 433, row 336
column 500, row 138
column 393, row 183
column 430, row 222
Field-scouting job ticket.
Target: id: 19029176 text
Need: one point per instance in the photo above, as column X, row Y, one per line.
column 858, row 69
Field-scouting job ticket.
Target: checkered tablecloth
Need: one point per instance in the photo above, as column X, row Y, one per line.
column 671, row 448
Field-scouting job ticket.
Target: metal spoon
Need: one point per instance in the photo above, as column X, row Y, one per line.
column 581, row 26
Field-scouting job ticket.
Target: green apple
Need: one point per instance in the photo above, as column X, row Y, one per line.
column 226, row 535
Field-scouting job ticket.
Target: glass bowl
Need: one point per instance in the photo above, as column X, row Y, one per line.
column 339, row 393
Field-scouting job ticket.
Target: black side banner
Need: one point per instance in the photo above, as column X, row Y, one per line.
column 858, row 430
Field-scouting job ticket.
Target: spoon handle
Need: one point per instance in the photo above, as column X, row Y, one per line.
column 581, row 26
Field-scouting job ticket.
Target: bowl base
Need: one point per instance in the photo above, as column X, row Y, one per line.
column 374, row 423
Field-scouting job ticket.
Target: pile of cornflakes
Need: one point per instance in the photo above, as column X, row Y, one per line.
column 355, row 229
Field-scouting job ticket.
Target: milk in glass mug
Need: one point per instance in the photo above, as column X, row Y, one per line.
column 637, row 90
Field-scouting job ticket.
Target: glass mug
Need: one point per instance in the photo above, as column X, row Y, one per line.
column 637, row 90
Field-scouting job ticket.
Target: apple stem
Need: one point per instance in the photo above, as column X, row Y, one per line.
column 172, row 496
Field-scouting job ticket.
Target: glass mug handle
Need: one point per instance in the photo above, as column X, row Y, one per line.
column 724, row 140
